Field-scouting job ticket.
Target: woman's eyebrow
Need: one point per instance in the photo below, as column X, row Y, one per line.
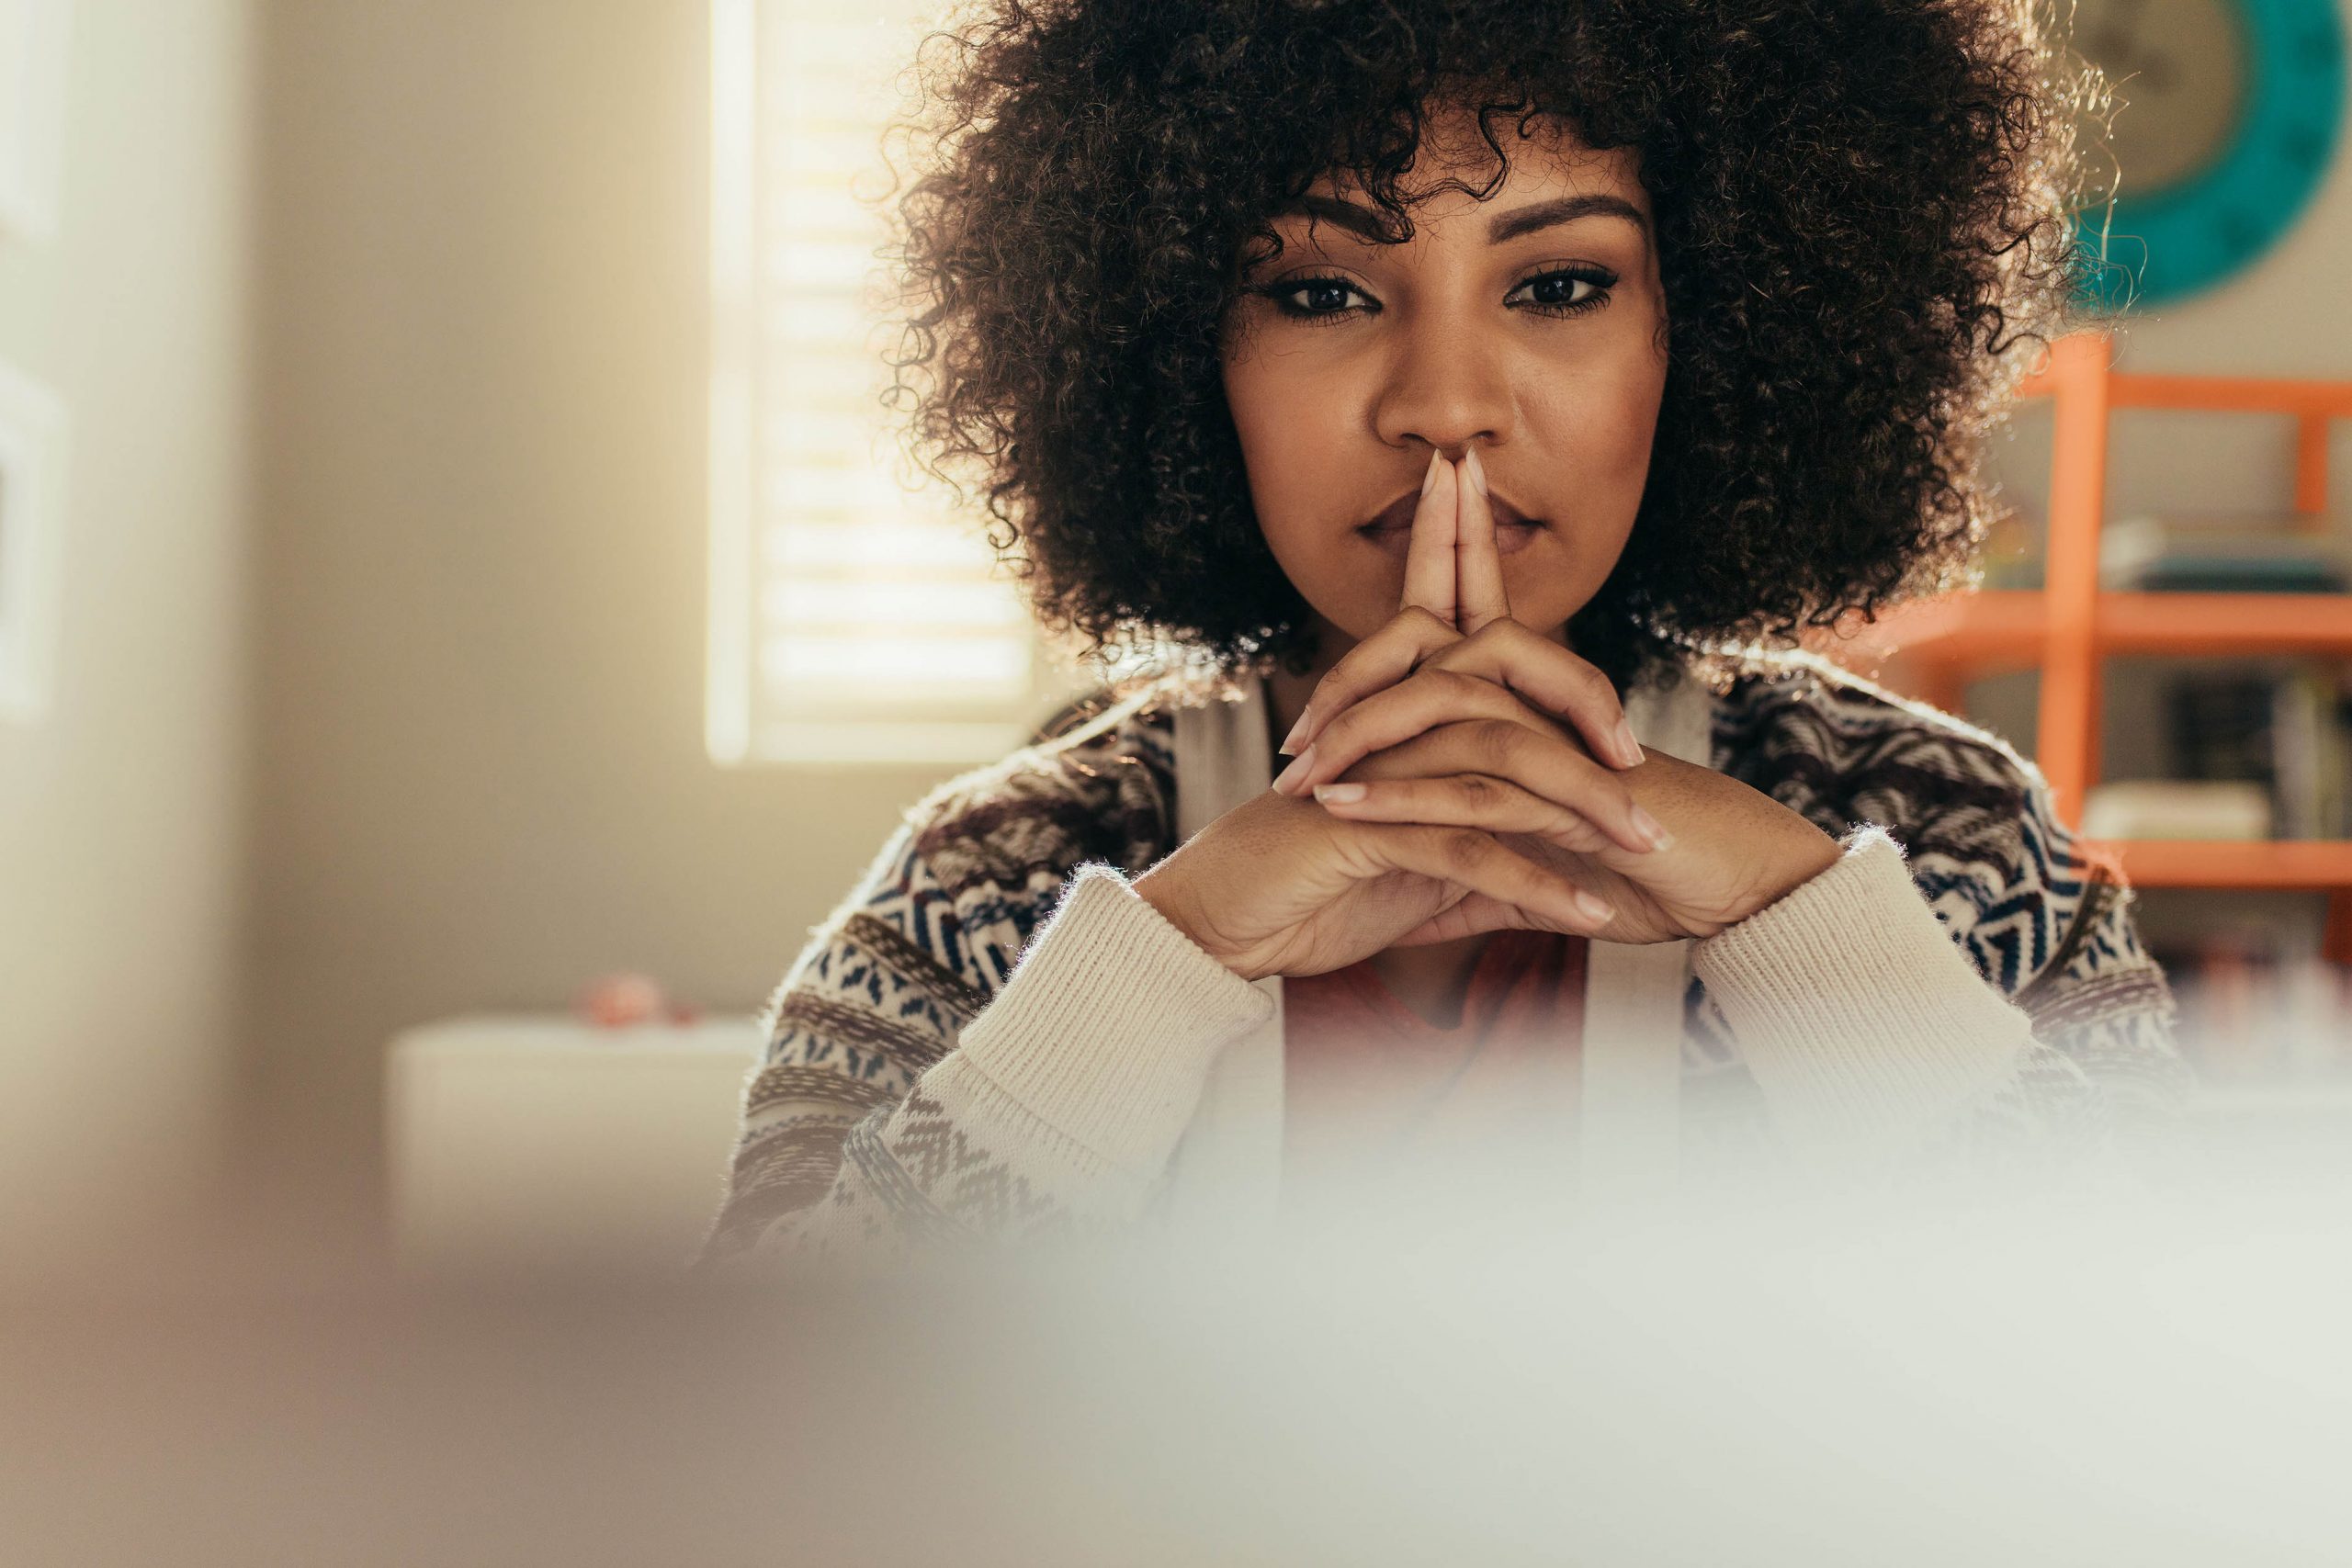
column 1364, row 223
column 1368, row 224
column 1567, row 209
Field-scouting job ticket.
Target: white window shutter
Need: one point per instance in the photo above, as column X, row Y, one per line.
column 853, row 618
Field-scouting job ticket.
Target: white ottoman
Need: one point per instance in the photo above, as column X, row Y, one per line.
column 527, row 1140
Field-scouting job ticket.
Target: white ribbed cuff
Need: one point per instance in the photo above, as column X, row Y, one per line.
column 1856, row 1011
column 1110, row 1022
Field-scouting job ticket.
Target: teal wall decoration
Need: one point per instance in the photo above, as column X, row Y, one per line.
column 2240, row 106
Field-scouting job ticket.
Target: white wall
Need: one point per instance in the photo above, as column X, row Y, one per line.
column 484, row 360
column 121, row 869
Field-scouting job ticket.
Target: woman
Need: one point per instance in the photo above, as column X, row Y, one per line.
column 1478, row 390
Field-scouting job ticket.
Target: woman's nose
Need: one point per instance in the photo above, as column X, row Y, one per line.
column 1443, row 388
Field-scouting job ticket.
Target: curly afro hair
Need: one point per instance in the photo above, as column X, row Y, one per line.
column 1865, row 233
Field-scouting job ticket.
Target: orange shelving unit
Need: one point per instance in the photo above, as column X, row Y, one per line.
column 2069, row 626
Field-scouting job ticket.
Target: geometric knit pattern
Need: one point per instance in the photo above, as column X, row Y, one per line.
column 2043, row 923
column 854, row 1126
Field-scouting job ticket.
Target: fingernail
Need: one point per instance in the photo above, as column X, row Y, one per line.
column 1649, row 828
column 1594, row 909
column 1338, row 791
column 1290, row 741
column 1429, row 480
column 1475, row 469
column 1299, row 768
column 1627, row 747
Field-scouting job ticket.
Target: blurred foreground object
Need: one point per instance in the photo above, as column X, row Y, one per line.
column 1865, row 1379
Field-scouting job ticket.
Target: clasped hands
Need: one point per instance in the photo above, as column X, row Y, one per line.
column 1455, row 714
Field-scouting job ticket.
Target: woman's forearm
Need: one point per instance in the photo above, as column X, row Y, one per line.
column 1062, row 1100
column 1861, row 1019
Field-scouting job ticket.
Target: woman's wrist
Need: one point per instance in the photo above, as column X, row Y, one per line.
column 1805, row 860
column 1162, row 888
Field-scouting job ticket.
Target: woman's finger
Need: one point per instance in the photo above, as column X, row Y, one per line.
column 1474, row 860
column 1474, row 915
column 1513, row 655
column 1466, row 800
column 1501, row 650
column 1541, row 762
column 1478, row 596
column 1395, row 714
column 1377, row 663
column 1429, row 557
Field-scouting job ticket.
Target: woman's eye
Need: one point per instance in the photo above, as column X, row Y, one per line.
column 1319, row 297
column 1564, row 291
column 1555, row 293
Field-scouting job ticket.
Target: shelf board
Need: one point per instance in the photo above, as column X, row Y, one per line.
column 2005, row 626
column 2270, row 863
column 2225, row 623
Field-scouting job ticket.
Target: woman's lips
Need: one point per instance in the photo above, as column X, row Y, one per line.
column 1509, row 537
column 1391, row 529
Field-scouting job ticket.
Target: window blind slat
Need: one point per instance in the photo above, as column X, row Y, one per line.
column 864, row 610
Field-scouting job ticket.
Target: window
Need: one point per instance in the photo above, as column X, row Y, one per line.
column 854, row 617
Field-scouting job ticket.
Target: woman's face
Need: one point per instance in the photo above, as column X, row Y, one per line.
column 1528, row 323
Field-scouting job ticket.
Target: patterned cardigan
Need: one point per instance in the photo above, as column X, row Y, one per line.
column 861, row 1124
